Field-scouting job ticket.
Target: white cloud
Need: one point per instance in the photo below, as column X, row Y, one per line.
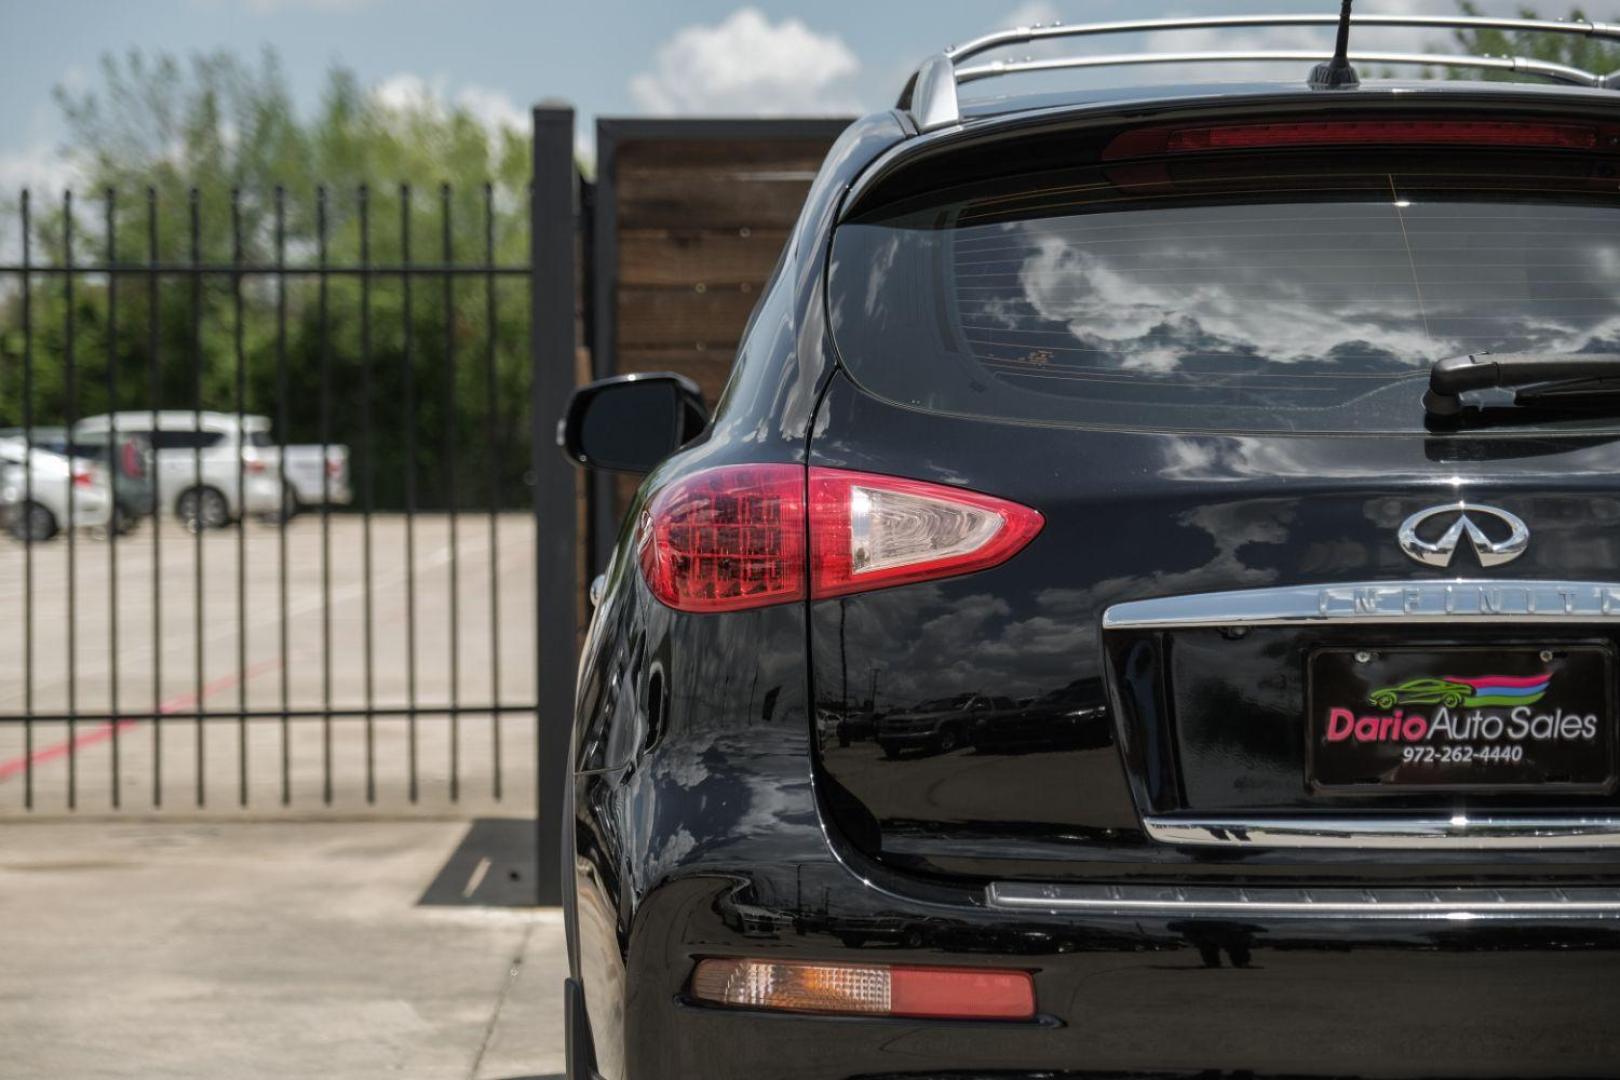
column 46, row 173
column 1031, row 12
column 407, row 91
column 494, row 110
column 747, row 65
column 41, row 168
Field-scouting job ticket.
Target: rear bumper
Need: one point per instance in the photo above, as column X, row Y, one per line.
column 92, row 509
column 337, row 493
column 261, row 494
column 1520, row 996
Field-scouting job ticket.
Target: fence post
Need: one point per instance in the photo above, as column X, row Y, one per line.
column 551, row 355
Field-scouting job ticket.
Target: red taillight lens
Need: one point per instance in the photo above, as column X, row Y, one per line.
column 726, row 538
column 735, row 536
column 82, row 478
column 1309, row 133
column 334, row 467
column 252, row 466
column 867, row 989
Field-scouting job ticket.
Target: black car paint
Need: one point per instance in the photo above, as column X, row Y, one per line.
column 710, row 818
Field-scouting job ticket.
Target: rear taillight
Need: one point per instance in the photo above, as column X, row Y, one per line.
column 742, row 536
column 334, row 467
column 726, row 538
column 129, row 460
column 868, row 531
column 82, row 477
column 866, row 989
column 1308, row 133
column 253, row 466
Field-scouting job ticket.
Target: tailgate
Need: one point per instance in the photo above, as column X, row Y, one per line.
column 1276, row 624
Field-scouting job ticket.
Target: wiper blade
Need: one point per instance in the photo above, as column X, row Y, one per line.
column 1557, row 378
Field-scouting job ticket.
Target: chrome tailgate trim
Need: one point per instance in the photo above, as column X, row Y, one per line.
column 1388, row 602
column 1456, row 832
column 1456, row 903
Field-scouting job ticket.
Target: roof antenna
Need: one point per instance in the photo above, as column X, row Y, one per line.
column 1337, row 74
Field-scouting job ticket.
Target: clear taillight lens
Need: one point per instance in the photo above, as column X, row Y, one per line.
column 866, row 989
column 742, row 536
column 868, row 531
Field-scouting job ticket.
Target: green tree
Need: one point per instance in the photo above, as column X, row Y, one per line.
column 1586, row 53
column 216, row 141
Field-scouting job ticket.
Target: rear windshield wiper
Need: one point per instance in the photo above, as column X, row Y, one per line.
column 1545, row 380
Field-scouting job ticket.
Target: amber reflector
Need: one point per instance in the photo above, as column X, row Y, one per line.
column 867, row 989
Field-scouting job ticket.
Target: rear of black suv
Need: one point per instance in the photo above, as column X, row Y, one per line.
column 1074, row 650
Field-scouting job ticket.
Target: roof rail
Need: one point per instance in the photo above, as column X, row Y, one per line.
column 1546, row 69
column 930, row 94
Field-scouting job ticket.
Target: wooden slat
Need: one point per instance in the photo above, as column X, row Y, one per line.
column 698, row 256
column 709, row 368
column 683, row 318
column 707, row 200
column 736, row 153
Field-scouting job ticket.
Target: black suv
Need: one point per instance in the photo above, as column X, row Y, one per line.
column 1259, row 445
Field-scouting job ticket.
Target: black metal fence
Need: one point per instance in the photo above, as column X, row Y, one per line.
column 417, row 347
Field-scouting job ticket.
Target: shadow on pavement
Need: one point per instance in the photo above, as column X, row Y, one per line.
column 493, row 866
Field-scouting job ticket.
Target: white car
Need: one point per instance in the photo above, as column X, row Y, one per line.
column 309, row 483
column 38, row 510
column 210, row 469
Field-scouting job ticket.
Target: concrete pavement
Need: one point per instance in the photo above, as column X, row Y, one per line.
column 250, row 950
column 251, row 652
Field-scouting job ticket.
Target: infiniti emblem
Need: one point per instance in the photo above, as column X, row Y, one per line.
column 1439, row 552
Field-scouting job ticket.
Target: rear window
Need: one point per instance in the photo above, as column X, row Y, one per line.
column 186, row 440
column 1254, row 293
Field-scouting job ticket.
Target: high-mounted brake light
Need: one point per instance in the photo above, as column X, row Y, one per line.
column 742, row 536
column 867, row 989
column 1533, row 134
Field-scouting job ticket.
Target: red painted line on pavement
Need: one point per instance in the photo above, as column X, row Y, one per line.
column 104, row 731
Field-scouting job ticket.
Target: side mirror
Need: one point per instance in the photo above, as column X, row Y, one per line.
column 629, row 423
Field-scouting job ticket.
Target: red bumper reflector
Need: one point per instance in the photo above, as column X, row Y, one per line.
column 1311, row 133
column 867, row 989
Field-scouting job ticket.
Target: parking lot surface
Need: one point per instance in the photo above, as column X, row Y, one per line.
column 272, row 950
column 254, row 657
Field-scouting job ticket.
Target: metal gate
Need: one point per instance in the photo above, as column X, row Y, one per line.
column 325, row 419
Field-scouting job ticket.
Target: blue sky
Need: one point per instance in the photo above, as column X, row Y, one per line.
column 607, row 57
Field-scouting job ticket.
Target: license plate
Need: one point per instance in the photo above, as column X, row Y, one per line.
column 1392, row 720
